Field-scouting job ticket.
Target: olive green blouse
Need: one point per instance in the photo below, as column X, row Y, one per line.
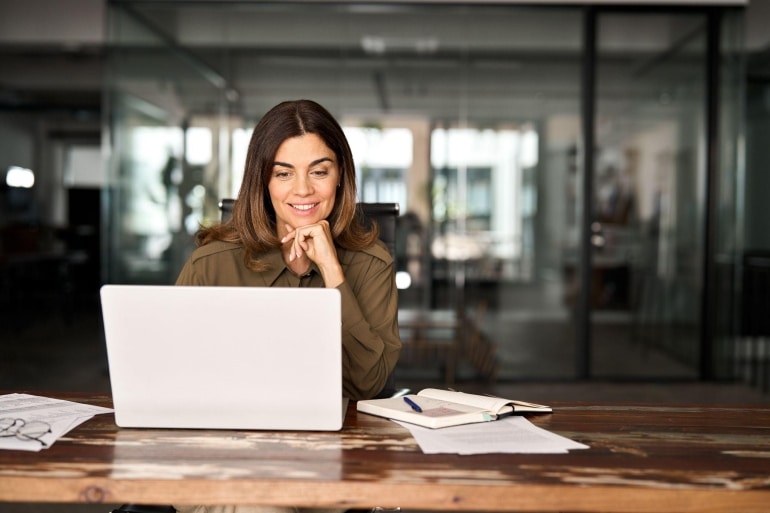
column 370, row 338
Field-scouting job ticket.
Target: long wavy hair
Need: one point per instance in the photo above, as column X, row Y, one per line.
column 253, row 223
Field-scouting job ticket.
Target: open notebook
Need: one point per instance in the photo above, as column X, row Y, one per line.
column 224, row 357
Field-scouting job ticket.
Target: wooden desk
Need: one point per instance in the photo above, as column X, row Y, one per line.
column 642, row 459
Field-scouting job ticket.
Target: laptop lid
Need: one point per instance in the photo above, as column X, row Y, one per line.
column 224, row 357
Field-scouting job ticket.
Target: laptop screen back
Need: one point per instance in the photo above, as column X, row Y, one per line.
column 224, row 357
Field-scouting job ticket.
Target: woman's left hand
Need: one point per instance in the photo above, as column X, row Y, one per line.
column 315, row 242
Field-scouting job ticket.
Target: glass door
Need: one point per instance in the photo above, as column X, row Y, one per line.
column 649, row 185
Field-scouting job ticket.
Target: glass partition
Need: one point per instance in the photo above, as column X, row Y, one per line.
column 163, row 158
column 732, row 241
column 466, row 115
column 650, row 188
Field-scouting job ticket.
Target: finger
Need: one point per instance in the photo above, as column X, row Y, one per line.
column 292, row 233
column 306, row 240
column 298, row 247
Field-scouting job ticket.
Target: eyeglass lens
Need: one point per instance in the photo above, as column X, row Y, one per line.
column 32, row 430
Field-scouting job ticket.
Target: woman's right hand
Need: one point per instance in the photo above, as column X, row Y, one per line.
column 315, row 242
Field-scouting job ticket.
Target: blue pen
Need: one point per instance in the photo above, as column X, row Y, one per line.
column 414, row 405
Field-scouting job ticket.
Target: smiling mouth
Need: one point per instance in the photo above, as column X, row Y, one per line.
column 305, row 207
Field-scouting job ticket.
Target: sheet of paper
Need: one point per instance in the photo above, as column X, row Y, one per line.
column 507, row 435
column 61, row 415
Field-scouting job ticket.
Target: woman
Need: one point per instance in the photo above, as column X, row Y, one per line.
column 294, row 224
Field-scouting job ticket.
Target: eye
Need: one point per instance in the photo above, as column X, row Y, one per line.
column 281, row 174
column 320, row 172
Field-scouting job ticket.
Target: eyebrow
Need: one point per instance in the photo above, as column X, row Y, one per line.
column 315, row 162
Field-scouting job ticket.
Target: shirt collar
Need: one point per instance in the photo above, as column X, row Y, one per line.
column 277, row 266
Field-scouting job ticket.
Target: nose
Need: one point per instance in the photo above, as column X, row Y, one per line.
column 303, row 185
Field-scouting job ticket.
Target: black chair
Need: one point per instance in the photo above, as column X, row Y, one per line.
column 385, row 215
column 226, row 208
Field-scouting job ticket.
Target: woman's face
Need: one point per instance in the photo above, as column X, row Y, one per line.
column 303, row 183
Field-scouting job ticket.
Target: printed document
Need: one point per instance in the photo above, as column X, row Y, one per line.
column 62, row 416
column 507, row 435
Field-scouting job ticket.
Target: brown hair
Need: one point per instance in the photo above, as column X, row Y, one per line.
column 253, row 221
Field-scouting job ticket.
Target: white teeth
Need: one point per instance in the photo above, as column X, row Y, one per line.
column 303, row 207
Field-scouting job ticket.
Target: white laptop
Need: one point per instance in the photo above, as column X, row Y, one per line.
column 224, row 357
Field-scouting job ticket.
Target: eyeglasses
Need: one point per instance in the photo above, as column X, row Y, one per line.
column 23, row 430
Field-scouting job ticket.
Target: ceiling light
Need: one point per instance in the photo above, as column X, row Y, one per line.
column 378, row 45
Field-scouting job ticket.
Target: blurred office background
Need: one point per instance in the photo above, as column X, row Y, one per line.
column 644, row 260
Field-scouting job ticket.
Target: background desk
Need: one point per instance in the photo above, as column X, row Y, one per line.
column 431, row 336
column 642, row 459
column 447, row 337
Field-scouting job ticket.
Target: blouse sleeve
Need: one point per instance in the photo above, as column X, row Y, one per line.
column 370, row 337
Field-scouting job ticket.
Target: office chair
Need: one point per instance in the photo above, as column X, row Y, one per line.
column 385, row 215
column 226, row 209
